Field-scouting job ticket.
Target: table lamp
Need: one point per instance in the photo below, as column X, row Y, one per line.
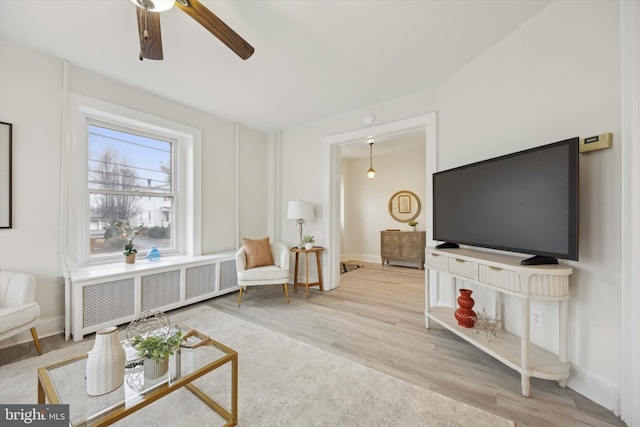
column 300, row 210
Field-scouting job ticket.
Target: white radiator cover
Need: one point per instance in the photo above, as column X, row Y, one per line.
column 113, row 294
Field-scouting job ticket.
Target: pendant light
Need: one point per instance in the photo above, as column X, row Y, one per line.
column 371, row 172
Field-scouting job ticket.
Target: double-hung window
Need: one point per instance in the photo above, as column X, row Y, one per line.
column 122, row 164
column 129, row 178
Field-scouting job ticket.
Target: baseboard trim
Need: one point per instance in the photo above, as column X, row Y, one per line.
column 361, row 257
column 45, row 328
column 598, row 389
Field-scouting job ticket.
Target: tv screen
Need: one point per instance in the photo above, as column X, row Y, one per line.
column 523, row 202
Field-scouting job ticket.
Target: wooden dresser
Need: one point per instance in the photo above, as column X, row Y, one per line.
column 406, row 246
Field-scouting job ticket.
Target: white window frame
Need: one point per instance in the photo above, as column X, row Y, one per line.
column 175, row 192
column 76, row 216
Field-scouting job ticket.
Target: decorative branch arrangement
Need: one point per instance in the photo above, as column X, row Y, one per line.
column 130, row 233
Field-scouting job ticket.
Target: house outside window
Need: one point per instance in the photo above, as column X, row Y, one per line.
column 129, row 177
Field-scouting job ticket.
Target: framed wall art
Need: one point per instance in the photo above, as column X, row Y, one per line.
column 404, row 203
column 5, row 175
column 404, row 206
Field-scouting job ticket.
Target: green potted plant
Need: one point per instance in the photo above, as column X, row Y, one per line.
column 129, row 233
column 308, row 242
column 413, row 224
column 156, row 349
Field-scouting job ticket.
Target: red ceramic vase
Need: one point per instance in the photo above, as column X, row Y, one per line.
column 464, row 315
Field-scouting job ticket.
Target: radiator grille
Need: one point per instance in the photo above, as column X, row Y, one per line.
column 104, row 302
column 160, row 289
column 117, row 298
column 200, row 280
column 228, row 274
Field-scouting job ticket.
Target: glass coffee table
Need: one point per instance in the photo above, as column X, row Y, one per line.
column 64, row 383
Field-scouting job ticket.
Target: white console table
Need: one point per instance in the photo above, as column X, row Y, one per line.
column 505, row 275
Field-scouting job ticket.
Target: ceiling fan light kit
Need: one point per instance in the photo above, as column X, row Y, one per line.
column 154, row 5
column 149, row 26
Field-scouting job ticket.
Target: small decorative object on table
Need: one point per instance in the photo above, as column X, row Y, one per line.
column 413, row 224
column 464, row 315
column 105, row 363
column 488, row 324
column 130, row 233
column 154, row 254
column 194, row 339
column 308, row 242
column 152, row 336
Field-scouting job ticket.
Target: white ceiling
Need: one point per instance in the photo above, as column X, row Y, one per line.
column 312, row 60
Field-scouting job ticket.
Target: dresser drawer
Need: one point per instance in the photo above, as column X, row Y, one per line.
column 498, row 277
column 463, row 268
column 435, row 261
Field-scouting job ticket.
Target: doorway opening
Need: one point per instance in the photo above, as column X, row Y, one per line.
column 334, row 145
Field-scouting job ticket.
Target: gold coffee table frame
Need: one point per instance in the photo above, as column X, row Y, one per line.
column 47, row 389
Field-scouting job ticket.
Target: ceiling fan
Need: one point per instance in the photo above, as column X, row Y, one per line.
column 151, row 37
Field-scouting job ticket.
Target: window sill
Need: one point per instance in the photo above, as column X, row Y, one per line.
column 142, row 266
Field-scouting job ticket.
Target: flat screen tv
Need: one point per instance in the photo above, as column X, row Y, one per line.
column 523, row 202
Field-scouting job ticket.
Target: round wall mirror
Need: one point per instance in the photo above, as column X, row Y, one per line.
column 404, row 206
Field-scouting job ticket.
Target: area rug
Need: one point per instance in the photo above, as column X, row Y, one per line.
column 281, row 382
column 345, row 268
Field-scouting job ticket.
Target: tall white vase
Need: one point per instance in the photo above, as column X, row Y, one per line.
column 106, row 362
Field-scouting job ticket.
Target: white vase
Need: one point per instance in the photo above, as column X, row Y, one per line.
column 308, row 246
column 106, row 362
column 153, row 369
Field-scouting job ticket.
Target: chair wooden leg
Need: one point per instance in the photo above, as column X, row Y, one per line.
column 286, row 292
column 34, row 334
column 240, row 296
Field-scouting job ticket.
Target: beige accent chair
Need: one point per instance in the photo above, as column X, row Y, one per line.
column 277, row 274
column 19, row 310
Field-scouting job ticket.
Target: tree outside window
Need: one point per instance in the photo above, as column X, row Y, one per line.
column 129, row 178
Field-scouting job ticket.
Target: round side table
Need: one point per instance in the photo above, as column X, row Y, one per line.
column 318, row 251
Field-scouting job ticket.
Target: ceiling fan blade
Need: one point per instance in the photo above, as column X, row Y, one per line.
column 211, row 22
column 150, row 36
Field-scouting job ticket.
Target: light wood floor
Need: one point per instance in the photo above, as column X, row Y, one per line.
column 376, row 318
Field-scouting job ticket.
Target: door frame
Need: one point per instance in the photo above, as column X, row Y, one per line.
column 332, row 145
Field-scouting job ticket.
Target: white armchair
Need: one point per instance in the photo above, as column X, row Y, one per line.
column 277, row 274
column 19, row 310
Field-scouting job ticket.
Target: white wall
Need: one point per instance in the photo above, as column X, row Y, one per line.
column 533, row 88
column 31, row 99
column 31, row 87
column 555, row 77
column 366, row 201
column 252, row 173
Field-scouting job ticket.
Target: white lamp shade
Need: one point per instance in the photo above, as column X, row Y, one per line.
column 154, row 5
column 299, row 209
